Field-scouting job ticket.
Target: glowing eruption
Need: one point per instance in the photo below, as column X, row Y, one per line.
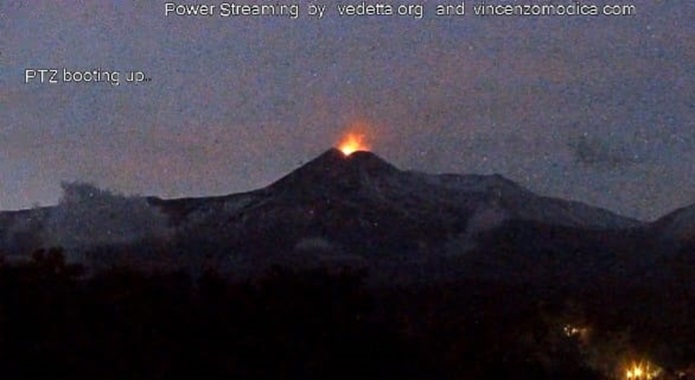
column 352, row 143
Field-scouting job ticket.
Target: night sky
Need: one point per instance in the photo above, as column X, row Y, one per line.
column 596, row 109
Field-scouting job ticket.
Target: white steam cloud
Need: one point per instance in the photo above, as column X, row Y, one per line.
column 88, row 217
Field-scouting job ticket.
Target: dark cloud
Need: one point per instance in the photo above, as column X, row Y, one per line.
column 595, row 151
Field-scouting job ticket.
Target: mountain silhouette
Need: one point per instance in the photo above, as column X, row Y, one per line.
column 363, row 210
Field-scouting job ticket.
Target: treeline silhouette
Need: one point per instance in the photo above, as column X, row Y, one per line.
column 59, row 322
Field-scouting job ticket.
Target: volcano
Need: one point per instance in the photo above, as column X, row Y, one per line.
column 359, row 208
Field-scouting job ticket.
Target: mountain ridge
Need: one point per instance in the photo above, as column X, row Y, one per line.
column 367, row 174
column 361, row 207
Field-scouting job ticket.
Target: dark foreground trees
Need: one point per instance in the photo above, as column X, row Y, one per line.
column 56, row 322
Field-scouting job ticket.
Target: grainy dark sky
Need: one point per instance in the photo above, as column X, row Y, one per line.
column 596, row 109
